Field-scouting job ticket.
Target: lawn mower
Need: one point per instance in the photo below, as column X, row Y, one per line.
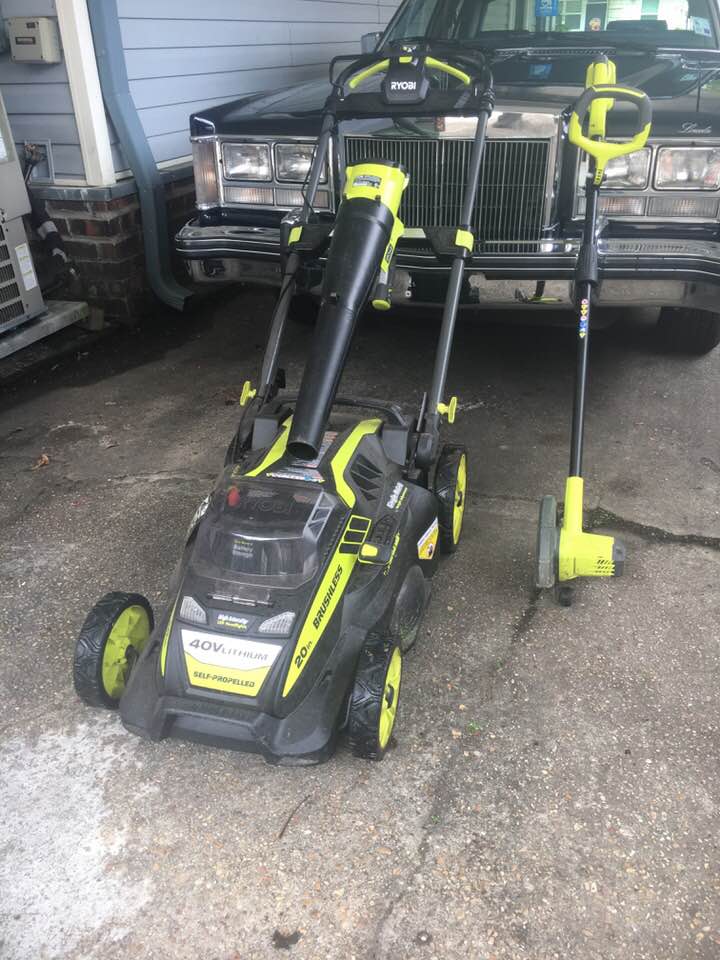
column 307, row 570
column 564, row 550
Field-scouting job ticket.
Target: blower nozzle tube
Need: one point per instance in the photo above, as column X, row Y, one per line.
column 359, row 245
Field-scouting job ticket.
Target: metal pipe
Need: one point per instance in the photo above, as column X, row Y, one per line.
column 118, row 100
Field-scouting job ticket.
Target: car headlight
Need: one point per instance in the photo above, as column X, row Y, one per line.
column 688, row 168
column 629, row 172
column 246, row 161
column 292, row 162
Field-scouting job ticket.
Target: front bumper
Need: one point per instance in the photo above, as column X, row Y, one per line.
column 306, row 736
column 646, row 272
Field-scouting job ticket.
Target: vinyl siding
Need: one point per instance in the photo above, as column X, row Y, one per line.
column 180, row 59
column 182, row 55
column 37, row 99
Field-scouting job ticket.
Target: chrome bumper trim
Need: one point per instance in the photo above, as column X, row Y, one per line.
column 635, row 272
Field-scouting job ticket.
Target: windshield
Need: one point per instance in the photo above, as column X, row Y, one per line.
column 666, row 23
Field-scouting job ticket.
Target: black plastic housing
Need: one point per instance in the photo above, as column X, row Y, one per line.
column 362, row 234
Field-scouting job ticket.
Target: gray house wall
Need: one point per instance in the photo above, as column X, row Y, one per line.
column 37, row 99
column 182, row 55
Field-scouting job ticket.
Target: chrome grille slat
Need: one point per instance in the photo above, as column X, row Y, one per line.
column 511, row 196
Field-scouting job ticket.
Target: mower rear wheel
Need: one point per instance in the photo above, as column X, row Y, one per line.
column 374, row 699
column 114, row 634
column 451, row 493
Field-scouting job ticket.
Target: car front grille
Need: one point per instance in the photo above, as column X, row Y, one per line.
column 511, row 197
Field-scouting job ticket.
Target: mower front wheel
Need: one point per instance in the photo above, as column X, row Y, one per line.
column 374, row 699
column 114, row 634
column 451, row 493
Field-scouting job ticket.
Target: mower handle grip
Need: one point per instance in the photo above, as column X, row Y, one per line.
column 601, row 150
column 383, row 65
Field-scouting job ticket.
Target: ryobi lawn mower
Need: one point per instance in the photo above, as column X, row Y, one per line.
column 564, row 550
column 306, row 571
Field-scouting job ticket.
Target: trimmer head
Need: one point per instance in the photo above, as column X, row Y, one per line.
column 565, row 551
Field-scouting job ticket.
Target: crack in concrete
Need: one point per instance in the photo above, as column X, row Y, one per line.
column 600, row 517
column 527, row 616
column 438, row 804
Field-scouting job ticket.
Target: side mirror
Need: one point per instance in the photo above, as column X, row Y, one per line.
column 369, row 41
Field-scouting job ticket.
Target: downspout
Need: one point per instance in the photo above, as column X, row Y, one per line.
column 116, row 94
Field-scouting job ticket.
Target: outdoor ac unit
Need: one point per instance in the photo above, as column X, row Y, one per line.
column 21, row 299
column 20, row 296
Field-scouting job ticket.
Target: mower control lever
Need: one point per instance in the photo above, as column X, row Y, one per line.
column 601, row 150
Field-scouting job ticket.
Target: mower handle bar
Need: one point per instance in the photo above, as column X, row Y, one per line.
column 601, row 150
column 383, row 65
column 372, row 64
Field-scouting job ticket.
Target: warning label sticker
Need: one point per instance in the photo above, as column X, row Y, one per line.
column 27, row 270
column 427, row 544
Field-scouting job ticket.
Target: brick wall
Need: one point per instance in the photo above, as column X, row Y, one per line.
column 104, row 239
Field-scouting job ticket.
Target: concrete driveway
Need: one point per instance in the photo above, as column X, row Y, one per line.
column 554, row 788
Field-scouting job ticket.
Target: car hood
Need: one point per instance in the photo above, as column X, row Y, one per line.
column 684, row 86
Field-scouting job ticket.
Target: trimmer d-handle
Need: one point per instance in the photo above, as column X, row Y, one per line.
column 600, row 149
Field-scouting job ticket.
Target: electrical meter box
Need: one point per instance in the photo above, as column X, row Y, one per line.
column 34, row 39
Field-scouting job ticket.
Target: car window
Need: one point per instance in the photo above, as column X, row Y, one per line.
column 682, row 23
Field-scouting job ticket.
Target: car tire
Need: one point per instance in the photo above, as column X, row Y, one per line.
column 304, row 310
column 684, row 330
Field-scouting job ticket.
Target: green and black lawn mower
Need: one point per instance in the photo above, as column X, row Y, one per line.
column 566, row 552
column 307, row 570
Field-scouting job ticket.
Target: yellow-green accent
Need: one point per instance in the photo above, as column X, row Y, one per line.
column 328, row 595
column 448, row 409
column 368, row 551
column 393, row 181
column 465, row 238
column 397, row 231
column 460, row 496
column 247, row 393
column 246, row 683
column 340, row 461
column 166, row 639
column 131, row 629
column 364, row 75
column 603, row 71
column 381, row 305
column 295, row 234
column 602, row 151
column 382, row 65
column 581, row 554
column 275, row 452
column 391, row 695
column 447, row 68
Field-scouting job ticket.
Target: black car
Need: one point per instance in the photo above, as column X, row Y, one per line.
column 660, row 234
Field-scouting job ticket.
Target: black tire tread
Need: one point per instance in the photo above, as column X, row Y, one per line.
column 366, row 699
column 445, row 481
column 87, row 662
column 685, row 330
